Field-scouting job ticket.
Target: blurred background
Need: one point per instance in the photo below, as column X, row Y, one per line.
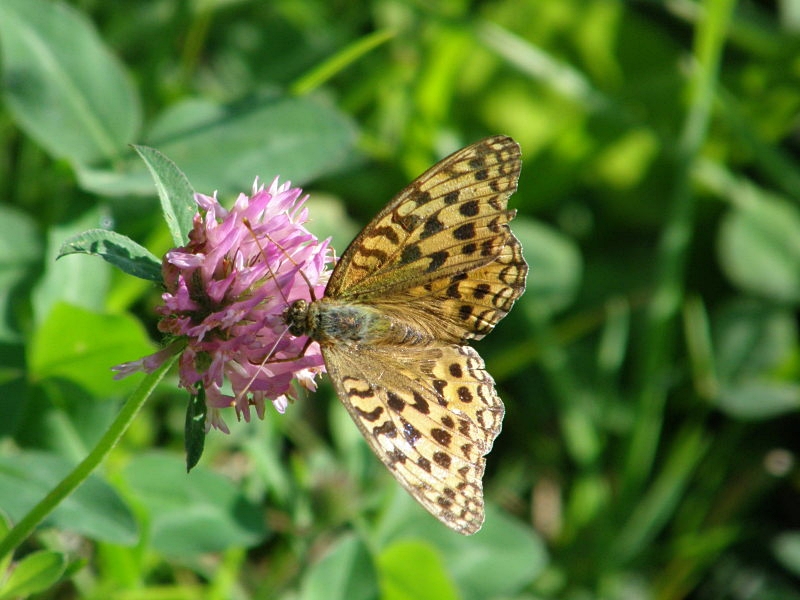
column 650, row 371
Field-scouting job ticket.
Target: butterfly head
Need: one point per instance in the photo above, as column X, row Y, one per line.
column 296, row 317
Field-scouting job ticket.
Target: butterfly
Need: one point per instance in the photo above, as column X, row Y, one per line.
column 436, row 268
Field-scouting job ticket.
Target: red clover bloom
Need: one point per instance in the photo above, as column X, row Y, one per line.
column 226, row 292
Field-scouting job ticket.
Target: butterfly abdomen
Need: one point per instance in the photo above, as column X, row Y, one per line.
column 331, row 321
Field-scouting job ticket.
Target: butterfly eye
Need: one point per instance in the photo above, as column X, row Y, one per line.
column 296, row 317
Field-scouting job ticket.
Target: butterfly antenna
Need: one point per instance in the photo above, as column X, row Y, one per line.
column 288, row 257
column 271, row 352
column 269, row 355
column 272, row 273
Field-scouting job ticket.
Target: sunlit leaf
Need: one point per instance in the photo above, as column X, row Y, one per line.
column 345, row 572
column 63, row 86
column 81, row 346
column 34, row 573
column 119, row 250
column 414, row 570
column 224, row 148
column 191, row 513
column 93, row 510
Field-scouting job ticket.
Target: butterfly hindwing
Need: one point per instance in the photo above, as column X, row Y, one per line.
column 430, row 416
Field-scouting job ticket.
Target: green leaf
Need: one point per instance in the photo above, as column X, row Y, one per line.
column 61, row 83
column 34, row 573
column 94, row 509
column 759, row 248
column 21, row 256
column 117, row 249
column 501, row 559
column 81, row 346
column 5, row 527
column 759, row 399
column 414, row 570
column 345, row 572
column 22, row 260
column 191, row 514
column 754, row 343
column 74, row 279
column 174, row 191
column 195, row 427
column 225, row 147
column 752, row 338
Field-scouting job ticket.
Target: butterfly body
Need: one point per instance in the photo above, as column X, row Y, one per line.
column 333, row 322
column 436, row 268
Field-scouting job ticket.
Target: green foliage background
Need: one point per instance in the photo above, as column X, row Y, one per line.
column 650, row 372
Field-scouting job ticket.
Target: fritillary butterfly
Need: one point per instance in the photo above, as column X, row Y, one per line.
column 436, row 268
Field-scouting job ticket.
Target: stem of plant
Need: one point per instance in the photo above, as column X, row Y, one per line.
column 78, row 475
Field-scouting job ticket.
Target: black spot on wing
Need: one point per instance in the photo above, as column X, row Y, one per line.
column 442, row 459
column 464, row 232
column 372, row 415
column 441, row 436
column 432, row 225
column 420, row 404
column 395, row 402
column 387, row 428
column 469, row 209
column 437, row 260
column 410, row 254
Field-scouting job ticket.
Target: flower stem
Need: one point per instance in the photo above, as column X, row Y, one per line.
column 79, row 474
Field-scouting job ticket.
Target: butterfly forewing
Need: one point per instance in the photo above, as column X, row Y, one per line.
column 450, row 219
column 467, row 305
column 440, row 266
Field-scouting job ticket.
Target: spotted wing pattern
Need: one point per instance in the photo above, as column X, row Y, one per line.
column 430, row 415
column 451, row 219
column 440, row 260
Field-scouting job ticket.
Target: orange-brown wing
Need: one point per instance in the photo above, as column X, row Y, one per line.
column 451, row 219
column 466, row 305
column 430, row 415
